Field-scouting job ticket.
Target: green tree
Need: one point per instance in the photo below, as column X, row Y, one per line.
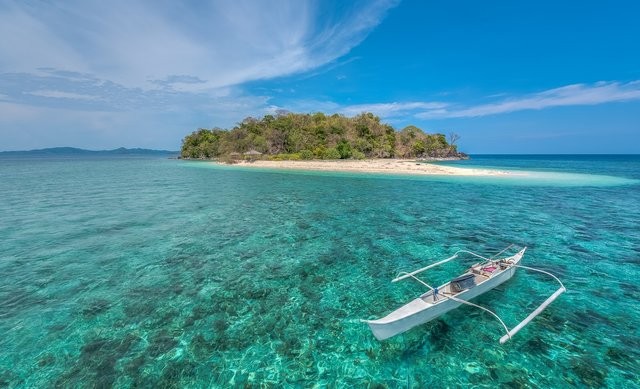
column 344, row 149
column 291, row 135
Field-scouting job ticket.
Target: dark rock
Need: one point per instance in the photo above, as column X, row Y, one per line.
column 161, row 343
column 589, row 373
column 95, row 308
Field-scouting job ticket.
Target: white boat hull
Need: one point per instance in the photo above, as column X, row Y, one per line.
column 425, row 309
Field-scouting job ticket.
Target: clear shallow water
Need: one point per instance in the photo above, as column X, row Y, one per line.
column 154, row 272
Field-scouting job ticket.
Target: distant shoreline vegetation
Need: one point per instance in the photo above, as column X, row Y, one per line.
column 293, row 136
column 73, row 151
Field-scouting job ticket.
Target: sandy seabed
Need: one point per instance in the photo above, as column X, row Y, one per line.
column 389, row 166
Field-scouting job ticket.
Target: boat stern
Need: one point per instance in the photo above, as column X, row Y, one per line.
column 380, row 331
column 402, row 319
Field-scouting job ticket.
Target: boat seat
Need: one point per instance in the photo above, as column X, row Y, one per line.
column 490, row 268
column 480, row 272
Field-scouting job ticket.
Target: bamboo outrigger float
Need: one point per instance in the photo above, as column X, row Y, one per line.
column 479, row 279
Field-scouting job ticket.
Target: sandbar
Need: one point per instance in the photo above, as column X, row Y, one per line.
column 388, row 166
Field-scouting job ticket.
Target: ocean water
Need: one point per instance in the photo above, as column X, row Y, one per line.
column 162, row 273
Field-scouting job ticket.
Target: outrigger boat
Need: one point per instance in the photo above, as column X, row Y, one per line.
column 477, row 280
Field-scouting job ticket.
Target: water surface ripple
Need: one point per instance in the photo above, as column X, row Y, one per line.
column 151, row 272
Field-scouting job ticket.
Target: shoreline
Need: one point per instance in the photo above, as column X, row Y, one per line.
column 385, row 166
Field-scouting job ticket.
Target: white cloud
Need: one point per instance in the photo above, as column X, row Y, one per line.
column 392, row 109
column 218, row 43
column 21, row 125
column 56, row 94
column 89, row 69
column 571, row 95
column 30, row 42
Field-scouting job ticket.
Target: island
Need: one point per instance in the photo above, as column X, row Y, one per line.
column 317, row 141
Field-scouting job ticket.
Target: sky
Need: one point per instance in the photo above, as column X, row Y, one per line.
column 508, row 77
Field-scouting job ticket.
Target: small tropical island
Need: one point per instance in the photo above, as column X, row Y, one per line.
column 317, row 141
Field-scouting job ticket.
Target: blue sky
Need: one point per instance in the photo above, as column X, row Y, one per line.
column 509, row 77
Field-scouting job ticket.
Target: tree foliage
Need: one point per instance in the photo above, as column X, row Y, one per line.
column 307, row 136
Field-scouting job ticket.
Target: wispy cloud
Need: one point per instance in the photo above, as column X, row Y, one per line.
column 570, row 95
column 56, row 94
column 393, row 109
column 81, row 61
column 28, row 126
column 146, row 44
column 84, row 111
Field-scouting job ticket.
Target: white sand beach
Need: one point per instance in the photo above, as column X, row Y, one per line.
column 389, row 166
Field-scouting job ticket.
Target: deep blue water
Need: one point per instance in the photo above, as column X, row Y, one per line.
column 154, row 272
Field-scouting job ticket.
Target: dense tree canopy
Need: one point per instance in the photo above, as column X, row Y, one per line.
column 310, row 136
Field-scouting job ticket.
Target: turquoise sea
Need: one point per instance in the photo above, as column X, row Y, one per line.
column 150, row 272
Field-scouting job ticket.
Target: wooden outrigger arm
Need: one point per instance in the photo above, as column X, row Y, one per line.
column 538, row 310
column 454, row 256
column 509, row 333
column 462, row 302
